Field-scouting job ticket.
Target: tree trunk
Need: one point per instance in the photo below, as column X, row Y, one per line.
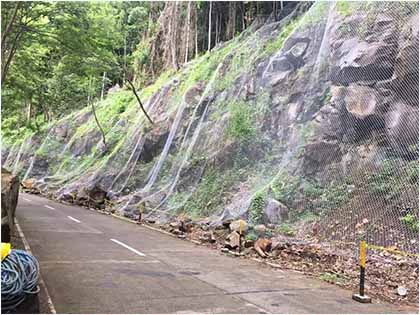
column 196, row 31
column 9, row 26
column 103, row 86
column 174, row 36
column 5, row 66
column 243, row 15
column 217, row 30
column 209, row 40
column 133, row 89
column 152, row 59
column 29, row 113
column 125, row 57
column 94, row 114
column 232, row 19
column 187, row 46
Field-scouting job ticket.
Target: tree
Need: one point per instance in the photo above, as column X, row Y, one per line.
column 209, row 41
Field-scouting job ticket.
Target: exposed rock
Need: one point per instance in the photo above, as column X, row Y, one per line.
column 208, row 237
column 192, row 96
column 406, row 75
column 9, row 199
column 237, row 225
column 91, row 196
column 402, row 123
column 114, row 89
column 318, row 155
column 232, row 240
column 153, row 144
column 249, row 243
column 362, row 61
column 260, row 229
column 28, row 184
column 275, row 211
column 175, row 225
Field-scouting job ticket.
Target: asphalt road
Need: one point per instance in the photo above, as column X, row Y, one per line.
column 95, row 263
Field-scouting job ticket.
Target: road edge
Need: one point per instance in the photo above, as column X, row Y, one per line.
column 41, row 280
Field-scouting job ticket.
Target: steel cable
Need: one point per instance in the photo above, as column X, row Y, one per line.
column 19, row 278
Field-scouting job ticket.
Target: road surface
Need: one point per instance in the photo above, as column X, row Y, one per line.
column 95, row 263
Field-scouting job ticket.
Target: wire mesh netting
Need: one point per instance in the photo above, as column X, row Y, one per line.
column 310, row 123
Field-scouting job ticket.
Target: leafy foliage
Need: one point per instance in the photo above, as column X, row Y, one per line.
column 241, row 122
column 411, row 222
column 256, row 208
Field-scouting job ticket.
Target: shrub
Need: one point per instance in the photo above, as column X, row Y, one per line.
column 256, row 208
column 241, row 122
column 410, row 222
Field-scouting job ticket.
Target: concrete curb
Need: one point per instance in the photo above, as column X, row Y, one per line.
column 41, row 280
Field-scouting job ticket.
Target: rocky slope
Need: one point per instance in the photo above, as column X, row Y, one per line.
column 309, row 124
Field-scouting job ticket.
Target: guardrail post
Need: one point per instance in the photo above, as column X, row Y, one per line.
column 361, row 297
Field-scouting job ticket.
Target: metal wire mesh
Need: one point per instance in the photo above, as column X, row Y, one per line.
column 374, row 74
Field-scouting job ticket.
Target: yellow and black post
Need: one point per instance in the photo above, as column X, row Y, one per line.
column 241, row 226
column 361, row 297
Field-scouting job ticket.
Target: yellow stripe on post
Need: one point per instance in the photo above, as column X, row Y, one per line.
column 362, row 254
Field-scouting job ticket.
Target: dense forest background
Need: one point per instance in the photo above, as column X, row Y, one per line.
column 57, row 55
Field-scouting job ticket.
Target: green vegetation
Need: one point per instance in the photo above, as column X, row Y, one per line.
column 315, row 14
column 256, row 208
column 333, row 278
column 345, row 8
column 411, row 222
column 241, row 122
column 285, row 188
column 209, row 194
column 286, row 229
column 251, row 236
column 276, row 44
column 326, row 97
column 387, row 181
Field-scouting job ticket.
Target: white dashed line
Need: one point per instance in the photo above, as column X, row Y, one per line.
column 46, row 206
column 128, row 247
column 71, row 218
column 26, row 199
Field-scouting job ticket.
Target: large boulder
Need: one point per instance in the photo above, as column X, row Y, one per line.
column 275, row 211
column 406, row 75
column 402, row 127
column 9, row 199
column 318, row 155
column 91, row 196
column 237, row 225
column 363, row 56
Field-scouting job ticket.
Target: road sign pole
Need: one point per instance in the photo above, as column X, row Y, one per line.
column 361, row 297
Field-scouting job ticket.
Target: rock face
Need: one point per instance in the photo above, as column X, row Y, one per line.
column 9, row 199
column 317, row 99
column 399, row 119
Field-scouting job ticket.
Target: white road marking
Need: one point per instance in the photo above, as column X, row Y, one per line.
column 128, row 247
column 26, row 199
column 46, row 206
column 71, row 218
